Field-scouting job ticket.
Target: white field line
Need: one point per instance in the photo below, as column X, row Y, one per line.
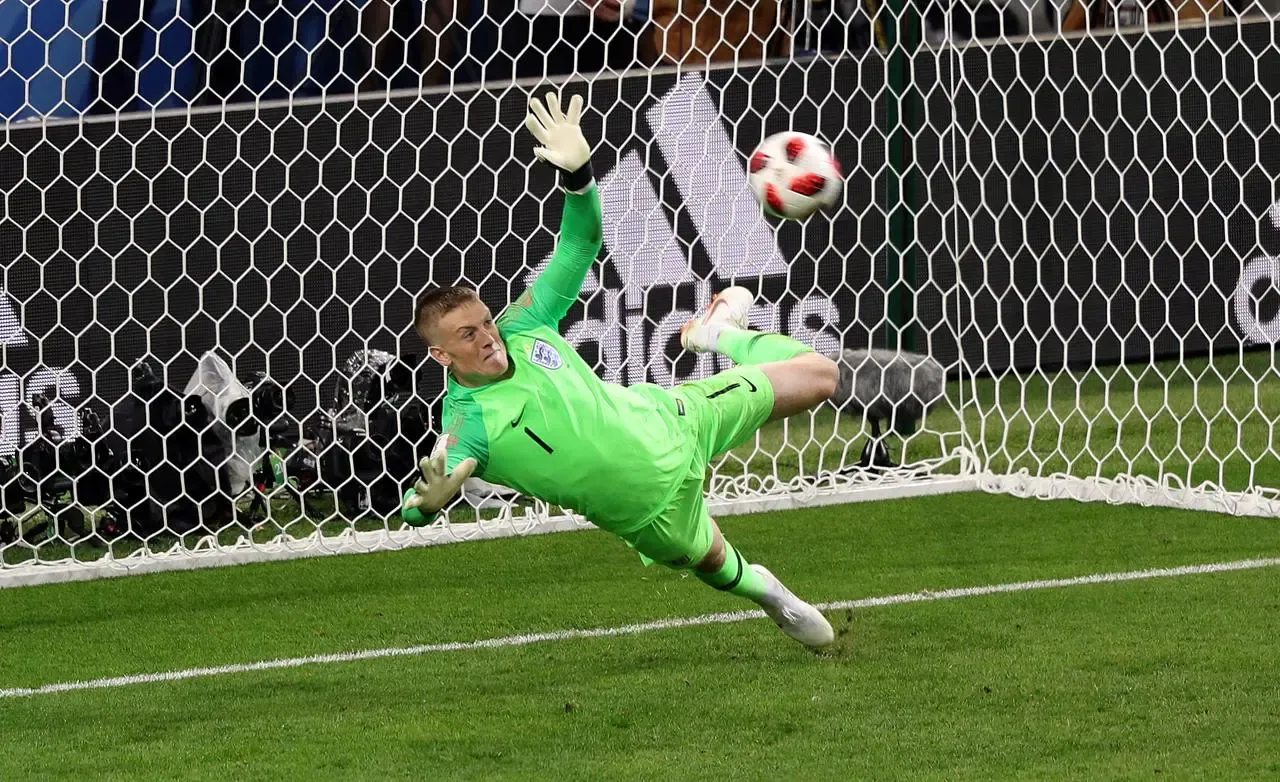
column 633, row 629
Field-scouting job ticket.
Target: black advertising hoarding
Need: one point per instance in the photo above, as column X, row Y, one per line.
column 1103, row 197
column 1078, row 203
column 290, row 238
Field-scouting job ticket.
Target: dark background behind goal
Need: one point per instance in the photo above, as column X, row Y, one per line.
column 1079, row 202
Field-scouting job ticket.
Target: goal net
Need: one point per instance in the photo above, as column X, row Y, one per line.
column 1050, row 275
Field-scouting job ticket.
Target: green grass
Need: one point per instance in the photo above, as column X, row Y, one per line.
column 1161, row 678
column 1166, row 678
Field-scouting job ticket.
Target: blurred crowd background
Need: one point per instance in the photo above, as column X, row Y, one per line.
column 76, row 57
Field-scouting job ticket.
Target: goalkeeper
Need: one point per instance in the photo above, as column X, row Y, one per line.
column 524, row 410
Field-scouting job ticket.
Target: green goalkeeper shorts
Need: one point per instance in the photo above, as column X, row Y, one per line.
column 724, row 411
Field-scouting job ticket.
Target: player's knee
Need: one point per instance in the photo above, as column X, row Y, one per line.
column 826, row 377
column 714, row 559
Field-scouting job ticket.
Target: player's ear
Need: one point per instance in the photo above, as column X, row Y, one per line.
column 440, row 355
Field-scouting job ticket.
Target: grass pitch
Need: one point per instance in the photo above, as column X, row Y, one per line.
column 1167, row 678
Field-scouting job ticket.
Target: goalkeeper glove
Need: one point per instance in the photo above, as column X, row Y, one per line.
column 436, row 487
column 561, row 139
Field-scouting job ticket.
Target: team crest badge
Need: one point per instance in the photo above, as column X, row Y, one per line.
column 545, row 356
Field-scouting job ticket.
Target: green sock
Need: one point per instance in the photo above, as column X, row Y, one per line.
column 735, row 576
column 754, row 347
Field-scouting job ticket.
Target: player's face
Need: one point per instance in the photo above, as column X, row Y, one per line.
column 467, row 341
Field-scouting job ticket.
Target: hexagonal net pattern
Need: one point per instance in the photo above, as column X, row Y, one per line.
column 1113, row 287
column 1049, row 274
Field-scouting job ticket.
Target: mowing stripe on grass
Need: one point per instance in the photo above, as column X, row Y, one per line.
column 634, row 629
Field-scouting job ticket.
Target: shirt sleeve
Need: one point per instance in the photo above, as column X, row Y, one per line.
column 558, row 287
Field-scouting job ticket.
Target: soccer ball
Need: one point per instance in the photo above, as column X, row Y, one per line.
column 794, row 175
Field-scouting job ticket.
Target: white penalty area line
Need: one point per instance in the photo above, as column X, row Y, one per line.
column 633, row 629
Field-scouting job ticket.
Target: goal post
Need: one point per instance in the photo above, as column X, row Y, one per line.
column 1088, row 263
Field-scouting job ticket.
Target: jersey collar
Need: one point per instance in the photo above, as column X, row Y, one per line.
column 456, row 389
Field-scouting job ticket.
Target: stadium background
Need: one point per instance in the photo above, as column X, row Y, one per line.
column 289, row 237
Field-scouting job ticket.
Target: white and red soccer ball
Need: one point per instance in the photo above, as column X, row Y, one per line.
column 794, row 175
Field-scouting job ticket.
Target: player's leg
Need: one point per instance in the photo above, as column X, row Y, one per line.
column 800, row 383
column 800, row 377
column 724, row 568
column 684, row 536
column 777, row 377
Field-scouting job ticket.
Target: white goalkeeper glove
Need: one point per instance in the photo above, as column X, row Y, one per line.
column 437, row 486
column 561, row 139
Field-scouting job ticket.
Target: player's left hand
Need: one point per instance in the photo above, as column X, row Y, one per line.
column 558, row 133
column 437, row 486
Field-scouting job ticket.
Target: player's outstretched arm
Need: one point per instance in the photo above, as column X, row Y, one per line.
column 562, row 145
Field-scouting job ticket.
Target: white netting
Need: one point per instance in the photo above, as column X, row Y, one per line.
column 1051, row 276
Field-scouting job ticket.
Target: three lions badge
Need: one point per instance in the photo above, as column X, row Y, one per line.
column 545, row 356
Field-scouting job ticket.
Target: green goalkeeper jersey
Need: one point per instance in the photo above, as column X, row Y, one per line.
column 553, row 429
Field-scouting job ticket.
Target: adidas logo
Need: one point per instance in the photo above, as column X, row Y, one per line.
column 646, row 250
column 57, row 384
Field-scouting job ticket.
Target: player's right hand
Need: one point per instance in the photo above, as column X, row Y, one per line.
column 437, row 486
